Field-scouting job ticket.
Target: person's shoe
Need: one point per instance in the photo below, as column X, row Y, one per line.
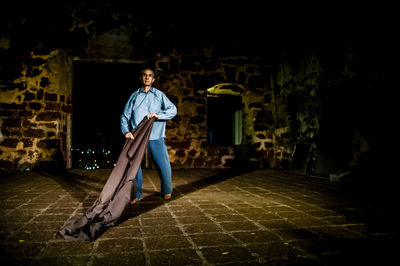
column 134, row 201
column 167, row 196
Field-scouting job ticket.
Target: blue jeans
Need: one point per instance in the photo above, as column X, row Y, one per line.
column 159, row 153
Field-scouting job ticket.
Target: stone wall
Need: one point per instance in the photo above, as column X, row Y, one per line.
column 35, row 107
column 186, row 79
column 281, row 95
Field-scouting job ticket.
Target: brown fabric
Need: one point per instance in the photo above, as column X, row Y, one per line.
column 118, row 191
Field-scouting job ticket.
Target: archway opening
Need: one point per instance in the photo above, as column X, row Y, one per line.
column 224, row 114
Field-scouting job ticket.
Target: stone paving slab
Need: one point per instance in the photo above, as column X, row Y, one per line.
column 215, row 217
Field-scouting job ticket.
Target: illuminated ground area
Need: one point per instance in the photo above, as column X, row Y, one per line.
column 215, row 217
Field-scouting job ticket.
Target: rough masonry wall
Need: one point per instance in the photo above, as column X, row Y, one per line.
column 266, row 138
column 35, row 106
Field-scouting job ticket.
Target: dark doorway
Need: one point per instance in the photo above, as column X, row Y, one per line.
column 224, row 120
column 100, row 92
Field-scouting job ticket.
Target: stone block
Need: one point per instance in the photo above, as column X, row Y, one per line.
column 180, row 153
column 13, row 106
column 29, row 96
column 261, row 136
column 36, row 72
column 11, row 132
column 192, row 152
column 39, row 95
column 12, row 122
column 35, row 106
column 52, row 106
column 5, row 113
column 48, row 125
column 48, row 144
column 261, row 125
column 44, row 82
column 48, row 116
column 188, row 162
column 25, row 114
column 34, row 133
column 67, row 108
column 9, row 142
column 51, row 97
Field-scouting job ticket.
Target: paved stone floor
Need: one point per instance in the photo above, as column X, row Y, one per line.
column 215, row 217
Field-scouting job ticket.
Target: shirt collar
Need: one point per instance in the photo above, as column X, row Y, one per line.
column 151, row 90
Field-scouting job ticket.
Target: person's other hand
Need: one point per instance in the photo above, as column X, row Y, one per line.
column 152, row 115
column 129, row 135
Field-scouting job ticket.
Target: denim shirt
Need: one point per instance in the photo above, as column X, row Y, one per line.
column 140, row 104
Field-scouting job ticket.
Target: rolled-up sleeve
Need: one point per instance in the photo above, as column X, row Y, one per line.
column 127, row 114
column 168, row 109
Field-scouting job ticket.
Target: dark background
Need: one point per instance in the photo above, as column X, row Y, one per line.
column 100, row 93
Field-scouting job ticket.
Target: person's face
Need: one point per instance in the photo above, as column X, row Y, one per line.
column 147, row 78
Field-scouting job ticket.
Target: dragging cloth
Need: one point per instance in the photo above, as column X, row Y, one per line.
column 118, row 191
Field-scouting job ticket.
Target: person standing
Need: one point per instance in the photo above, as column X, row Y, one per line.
column 148, row 102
